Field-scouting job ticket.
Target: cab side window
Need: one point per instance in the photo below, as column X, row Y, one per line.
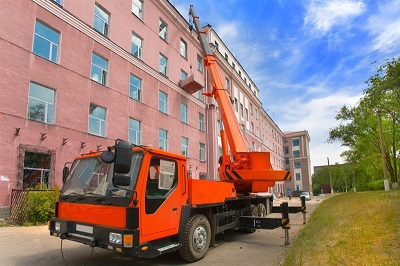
column 162, row 180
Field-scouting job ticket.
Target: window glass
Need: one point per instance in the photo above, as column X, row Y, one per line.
column 162, row 31
column 183, row 113
column 134, row 131
column 201, row 122
column 45, row 42
column 163, row 139
column 163, row 65
column 202, row 152
column 137, row 8
column 97, row 120
column 185, row 146
column 41, row 104
column 99, row 69
column 36, row 169
column 101, row 20
column 135, row 88
column 295, row 142
column 296, row 153
column 183, row 48
column 297, row 164
column 162, row 102
column 136, row 48
column 183, row 75
column 199, row 63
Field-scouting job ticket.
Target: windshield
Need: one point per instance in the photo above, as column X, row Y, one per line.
column 90, row 181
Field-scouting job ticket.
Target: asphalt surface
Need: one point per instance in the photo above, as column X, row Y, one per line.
column 34, row 246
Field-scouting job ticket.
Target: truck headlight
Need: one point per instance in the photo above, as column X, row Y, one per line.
column 115, row 238
column 57, row 226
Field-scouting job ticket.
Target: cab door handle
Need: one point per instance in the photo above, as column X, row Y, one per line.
column 174, row 209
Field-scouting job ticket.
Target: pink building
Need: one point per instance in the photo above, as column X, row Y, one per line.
column 77, row 75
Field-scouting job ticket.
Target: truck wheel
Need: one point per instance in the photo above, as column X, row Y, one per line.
column 262, row 211
column 254, row 212
column 195, row 238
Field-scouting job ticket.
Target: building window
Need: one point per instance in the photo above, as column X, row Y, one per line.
column 183, row 75
column 226, row 57
column 45, row 42
column 163, row 65
column 295, row 142
column 162, row 30
column 252, row 127
column 200, row 95
column 236, row 104
column 101, row 20
column 136, row 49
column 163, row 139
column 41, row 104
column 247, row 114
column 199, row 63
column 134, row 131
column 99, row 69
column 163, row 102
column 243, row 129
column 297, row 187
column 219, row 127
column 233, row 65
column 58, row 2
column 287, row 160
column 135, row 88
column 297, row 176
column 185, row 146
column 216, row 45
column 241, row 110
column 183, row 49
column 256, row 113
column 137, row 8
column 202, row 152
column 97, row 120
column 184, row 110
column 297, row 164
column 286, row 149
column 37, row 168
column 201, row 122
column 228, row 88
column 296, row 153
column 251, row 108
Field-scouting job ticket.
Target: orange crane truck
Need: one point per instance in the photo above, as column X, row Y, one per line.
column 139, row 201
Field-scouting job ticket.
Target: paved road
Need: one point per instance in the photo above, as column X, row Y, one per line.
column 34, row 246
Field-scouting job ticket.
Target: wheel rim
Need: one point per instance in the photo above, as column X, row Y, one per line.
column 199, row 238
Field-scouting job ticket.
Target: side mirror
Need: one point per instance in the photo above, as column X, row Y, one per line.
column 121, row 180
column 65, row 173
column 123, row 157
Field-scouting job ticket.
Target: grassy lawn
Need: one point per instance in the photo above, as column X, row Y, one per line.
column 360, row 228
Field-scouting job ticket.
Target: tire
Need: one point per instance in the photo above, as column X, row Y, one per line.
column 262, row 211
column 253, row 212
column 195, row 238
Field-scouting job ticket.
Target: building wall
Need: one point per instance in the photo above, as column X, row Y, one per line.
column 70, row 78
column 297, row 160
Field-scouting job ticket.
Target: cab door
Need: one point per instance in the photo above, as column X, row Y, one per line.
column 163, row 199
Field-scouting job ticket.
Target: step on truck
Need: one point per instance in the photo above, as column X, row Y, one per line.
column 139, row 201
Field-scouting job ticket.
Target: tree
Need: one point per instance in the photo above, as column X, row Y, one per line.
column 358, row 129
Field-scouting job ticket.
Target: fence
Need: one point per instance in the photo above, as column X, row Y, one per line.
column 19, row 204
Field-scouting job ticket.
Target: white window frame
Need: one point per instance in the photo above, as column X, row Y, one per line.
column 101, row 132
column 138, row 43
column 162, row 29
column 137, row 8
column 133, row 88
column 184, row 113
column 185, row 146
column 202, row 152
column 163, row 66
column 53, row 47
column 183, row 48
column 48, row 106
column 162, row 142
column 201, row 122
column 199, row 63
column 134, row 133
column 105, row 29
column 163, row 104
column 104, row 71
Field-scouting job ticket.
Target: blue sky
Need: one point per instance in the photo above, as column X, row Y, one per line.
column 307, row 57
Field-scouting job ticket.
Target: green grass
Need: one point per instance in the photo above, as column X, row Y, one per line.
column 360, row 228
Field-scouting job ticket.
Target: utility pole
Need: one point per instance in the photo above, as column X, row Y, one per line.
column 330, row 176
column 386, row 181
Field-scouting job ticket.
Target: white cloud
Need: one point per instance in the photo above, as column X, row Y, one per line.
column 384, row 25
column 322, row 15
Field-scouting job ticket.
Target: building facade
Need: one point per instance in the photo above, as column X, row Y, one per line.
column 77, row 75
column 297, row 160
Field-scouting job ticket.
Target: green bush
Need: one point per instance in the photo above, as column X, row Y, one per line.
column 41, row 204
column 372, row 186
